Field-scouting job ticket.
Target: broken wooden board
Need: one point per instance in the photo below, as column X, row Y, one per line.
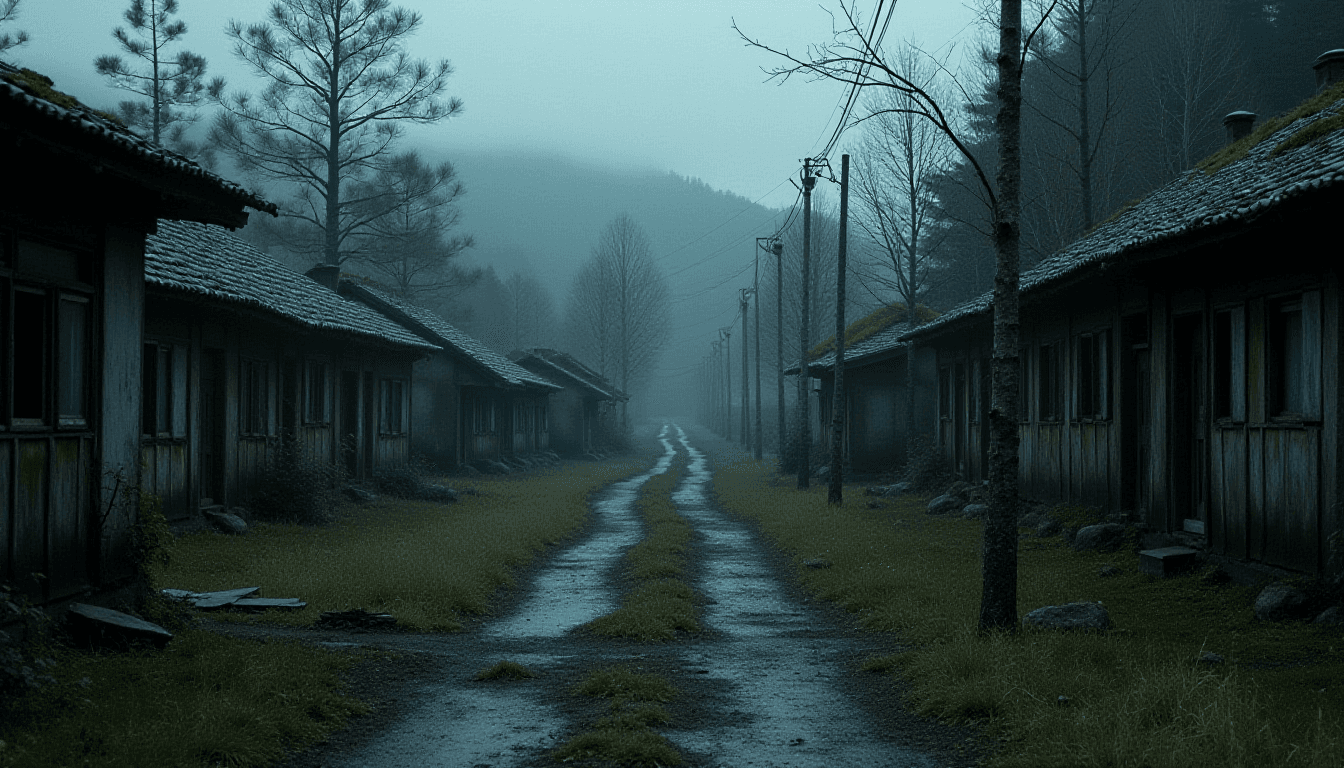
column 207, row 601
column 105, row 627
column 266, row 603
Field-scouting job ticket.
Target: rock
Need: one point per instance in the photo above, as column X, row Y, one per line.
column 875, row 505
column 1105, row 537
column 817, row 562
column 106, row 628
column 1209, row 658
column 439, row 493
column 1085, row 616
column 470, row 471
column 1107, row 571
column 874, row 490
column 1030, row 520
column 944, row 504
column 975, row 511
column 961, row 489
column 896, row 489
column 1048, row 527
column 1330, row 617
column 359, row 495
column 1280, row 602
column 355, row 619
column 225, row 522
column 823, row 472
column 500, row 468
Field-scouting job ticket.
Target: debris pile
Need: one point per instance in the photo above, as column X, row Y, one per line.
column 242, row 599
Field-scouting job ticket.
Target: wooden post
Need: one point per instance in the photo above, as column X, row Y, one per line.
column 835, row 493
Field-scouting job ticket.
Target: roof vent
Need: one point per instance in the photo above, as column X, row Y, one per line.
column 1239, row 125
column 326, row 274
column 1329, row 68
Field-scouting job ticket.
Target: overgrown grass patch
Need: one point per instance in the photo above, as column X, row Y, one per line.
column 426, row 564
column 659, row 603
column 1133, row 696
column 505, row 670
column 625, row 735
column 205, row 700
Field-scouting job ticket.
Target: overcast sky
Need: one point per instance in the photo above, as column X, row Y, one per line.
column 633, row 83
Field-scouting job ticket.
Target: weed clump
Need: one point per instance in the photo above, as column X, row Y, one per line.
column 926, row 468
column 296, row 486
column 624, row 735
column 505, row 670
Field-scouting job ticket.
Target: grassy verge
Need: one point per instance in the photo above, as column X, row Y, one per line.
column 1134, row 696
column 659, row 603
column 205, row 700
column 426, row 564
column 625, row 735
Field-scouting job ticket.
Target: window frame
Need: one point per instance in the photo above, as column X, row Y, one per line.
column 316, row 393
column 1280, row 358
column 1048, row 373
column 254, row 393
column 392, row 407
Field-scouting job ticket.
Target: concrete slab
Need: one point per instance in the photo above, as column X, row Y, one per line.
column 1168, row 561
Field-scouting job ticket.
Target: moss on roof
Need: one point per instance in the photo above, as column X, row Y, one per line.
column 42, row 87
column 1238, row 149
column 876, row 321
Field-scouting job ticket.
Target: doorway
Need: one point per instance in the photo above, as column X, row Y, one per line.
column 1189, row 444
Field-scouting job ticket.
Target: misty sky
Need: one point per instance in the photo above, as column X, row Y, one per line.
column 643, row 84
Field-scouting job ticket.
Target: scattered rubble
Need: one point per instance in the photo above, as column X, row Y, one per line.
column 1085, row 616
column 1280, row 602
column 243, row 598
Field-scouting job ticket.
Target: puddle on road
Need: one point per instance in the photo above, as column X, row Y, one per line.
column 796, row 714
column 457, row 722
column 571, row 590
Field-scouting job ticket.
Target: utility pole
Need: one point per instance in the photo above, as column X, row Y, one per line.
column 804, row 435
column 726, row 334
column 756, row 290
column 835, row 494
column 746, row 401
column 777, row 248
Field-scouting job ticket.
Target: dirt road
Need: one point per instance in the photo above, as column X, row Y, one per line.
column 772, row 680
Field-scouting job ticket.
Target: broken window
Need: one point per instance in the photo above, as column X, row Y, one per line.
column 392, row 420
column 31, row 357
column 315, row 393
column 1295, row 357
column 254, row 397
column 163, row 401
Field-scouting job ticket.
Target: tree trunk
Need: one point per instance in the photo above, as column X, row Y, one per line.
column 333, row 232
column 998, row 600
column 1084, row 118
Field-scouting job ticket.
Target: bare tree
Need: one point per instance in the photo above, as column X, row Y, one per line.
column 9, row 10
column 619, row 306
column 855, row 57
column 411, row 208
column 1194, row 71
column 340, row 93
column 531, row 317
column 175, row 85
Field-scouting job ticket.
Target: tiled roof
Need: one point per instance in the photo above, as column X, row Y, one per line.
column 74, row 118
column 882, row 342
column 1194, row 204
column 205, row 261
column 569, row 367
column 430, row 326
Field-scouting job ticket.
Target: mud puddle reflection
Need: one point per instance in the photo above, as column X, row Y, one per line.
column 790, row 708
column 457, row 722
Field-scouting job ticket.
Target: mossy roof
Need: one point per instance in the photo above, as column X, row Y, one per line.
column 1289, row 158
column 206, row 263
column 561, row 366
column 877, row 333
column 59, row 118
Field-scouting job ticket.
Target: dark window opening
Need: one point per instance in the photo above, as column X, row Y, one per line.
column 1093, row 372
column 315, row 396
column 72, row 356
column 1229, row 365
column 30, row 357
column 253, row 405
column 393, row 421
column 1287, row 396
column 945, row 393
column 1047, row 385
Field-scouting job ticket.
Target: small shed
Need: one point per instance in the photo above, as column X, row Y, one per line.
column 73, row 219
column 471, row 403
column 242, row 355
column 875, row 391
column 578, row 407
column 1180, row 363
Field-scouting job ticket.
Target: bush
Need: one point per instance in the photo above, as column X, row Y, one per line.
column 296, row 486
column 925, row 467
column 24, row 660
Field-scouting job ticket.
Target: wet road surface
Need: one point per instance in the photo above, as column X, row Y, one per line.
column 771, row 675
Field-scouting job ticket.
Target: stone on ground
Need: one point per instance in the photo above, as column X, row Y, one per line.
column 224, row 522
column 1108, row 570
column 1330, row 617
column 972, row 511
column 106, row 628
column 944, row 504
column 1069, row 616
column 1048, row 527
column 1105, row 537
column 1280, row 602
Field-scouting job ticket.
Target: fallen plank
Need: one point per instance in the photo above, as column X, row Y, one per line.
column 265, row 603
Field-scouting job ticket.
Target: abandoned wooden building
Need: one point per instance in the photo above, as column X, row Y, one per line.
column 242, row 354
column 73, row 220
column 1180, row 363
column 579, row 408
column 471, row 404
column 875, row 432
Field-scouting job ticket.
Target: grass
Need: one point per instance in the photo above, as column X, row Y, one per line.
column 505, row 670
column 625, row 735
column 1133, row 696
column 659, row 603
column 427, row 564
column 204, row 700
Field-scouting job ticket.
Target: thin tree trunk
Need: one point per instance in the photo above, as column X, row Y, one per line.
column 998, row 601
column 1084, row 118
